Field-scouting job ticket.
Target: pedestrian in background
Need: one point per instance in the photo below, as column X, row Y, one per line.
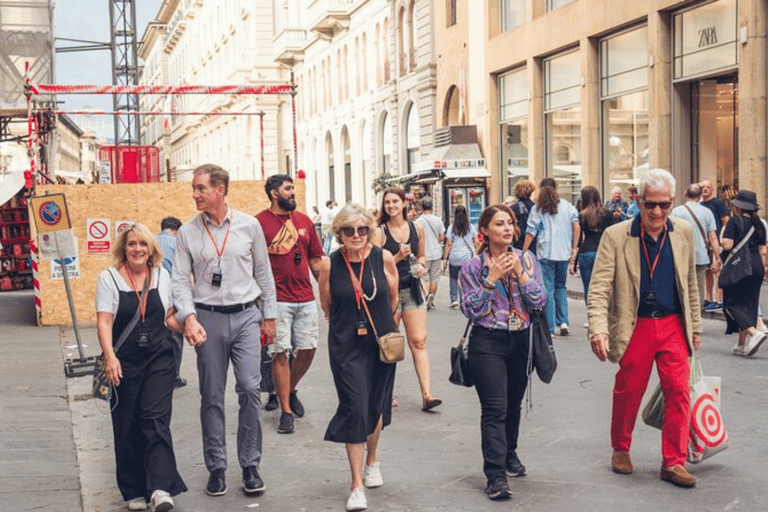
column 616, row 205
column 633, row 210
column 556, row 224
column 294, row 250
column 522, row 210
column 143, row 368
column 405, row 241
column 498, row 285
column 713, row 296
column 169, row 226
column 434, row 236
column 459, row 248
column 359, row 276
column 226, row 252
column 326, row 219
column 741, row 300
column 704, row 235
column 594, row 218
column 643, row 307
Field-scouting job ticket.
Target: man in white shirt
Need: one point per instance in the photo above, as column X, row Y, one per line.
column 226, row 252
column 434, row 236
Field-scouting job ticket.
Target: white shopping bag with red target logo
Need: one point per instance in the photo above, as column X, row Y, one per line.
column 707, row 433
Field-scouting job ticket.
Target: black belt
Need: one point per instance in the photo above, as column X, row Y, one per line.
column 227, row 310
column 656, row 315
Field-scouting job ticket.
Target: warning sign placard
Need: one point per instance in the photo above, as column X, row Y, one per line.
column 50, row 213
column 122, row 225
column 98, row 236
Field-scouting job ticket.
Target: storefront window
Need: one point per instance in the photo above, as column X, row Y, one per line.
column 706, row 39
column 556, row 4
column 624, row 102
column 513, row 113
column 512, row 14
column 562, row 90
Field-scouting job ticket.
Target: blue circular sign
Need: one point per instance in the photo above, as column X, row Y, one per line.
column 50, row 213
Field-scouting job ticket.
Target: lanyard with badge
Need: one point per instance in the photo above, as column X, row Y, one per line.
column 650, row 295
column 361, row 326
column 513, row 321
column 143, row 332
column 217, row 276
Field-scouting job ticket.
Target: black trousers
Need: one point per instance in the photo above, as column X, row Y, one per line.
column 141, row 426
column 498, row 359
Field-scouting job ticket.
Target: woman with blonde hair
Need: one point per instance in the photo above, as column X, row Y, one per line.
column 134, row 305
column 358, row 284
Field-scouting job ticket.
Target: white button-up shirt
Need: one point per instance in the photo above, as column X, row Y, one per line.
column 244, row 265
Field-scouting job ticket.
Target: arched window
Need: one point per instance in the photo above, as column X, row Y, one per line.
column 412, row 34
column 377, row 51
column 386, row 144
column 345, row 72
column 402, row 44
column 412, row 136
column 364, row 69
column 356, row 70
column 340, row 76
column 385, row 50
column 329, row 86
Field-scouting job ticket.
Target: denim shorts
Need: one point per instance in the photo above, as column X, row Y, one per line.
column 296, row 324
column 407, row 302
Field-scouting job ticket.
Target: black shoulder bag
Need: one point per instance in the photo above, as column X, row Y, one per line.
column 461, row 374
column 737, row 266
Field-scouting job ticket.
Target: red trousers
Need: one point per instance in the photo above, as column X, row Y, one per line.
column 663, row 341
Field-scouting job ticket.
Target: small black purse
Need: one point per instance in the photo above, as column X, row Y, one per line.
column 461, row 374
column 541, row 351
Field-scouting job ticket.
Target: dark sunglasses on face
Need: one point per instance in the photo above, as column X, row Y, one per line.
column 651, row 205
column 350, row 230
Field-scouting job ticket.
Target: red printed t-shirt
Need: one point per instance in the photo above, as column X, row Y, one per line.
column 291, row 280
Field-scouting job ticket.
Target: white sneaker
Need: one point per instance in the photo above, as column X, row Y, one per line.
column 753, row 343
column 357, row 500
column 763, row 328
column 586, row 325
column 372, row 476
column 161, row 501
column 454, row 304
column 738, row 350
column 430, row 301
column 137, row 503
column 564, row 330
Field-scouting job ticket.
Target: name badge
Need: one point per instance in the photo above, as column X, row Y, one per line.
column 362, row 329
column 216, row 279
column 514, row 323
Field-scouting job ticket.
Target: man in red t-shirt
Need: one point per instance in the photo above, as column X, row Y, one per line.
column 294, row 249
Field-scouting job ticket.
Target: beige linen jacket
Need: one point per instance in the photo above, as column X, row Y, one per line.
column 614, row 289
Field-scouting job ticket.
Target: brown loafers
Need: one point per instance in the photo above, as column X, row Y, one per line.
column 621, row 463
column 678, row 476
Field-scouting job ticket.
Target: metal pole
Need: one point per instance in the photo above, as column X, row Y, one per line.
column 69, row 299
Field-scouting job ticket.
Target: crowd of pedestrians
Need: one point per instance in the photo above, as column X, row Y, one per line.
column 239, row 290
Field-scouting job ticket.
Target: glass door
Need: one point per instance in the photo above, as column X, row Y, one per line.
column 716, row 131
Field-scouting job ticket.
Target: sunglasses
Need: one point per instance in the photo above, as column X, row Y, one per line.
column 651, row 205
column 350, row 230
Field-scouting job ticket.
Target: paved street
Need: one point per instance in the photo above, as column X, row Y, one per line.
column 429, row 461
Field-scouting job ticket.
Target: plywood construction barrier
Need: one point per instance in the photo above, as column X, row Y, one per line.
column 146, row 203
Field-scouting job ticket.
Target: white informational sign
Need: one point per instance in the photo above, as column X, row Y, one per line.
column 73, row 268
column 122, row 225
column 57, row 244
column 105, row 172
column 98, row 236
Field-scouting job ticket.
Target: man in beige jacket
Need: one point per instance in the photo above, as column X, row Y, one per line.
column 643, row 307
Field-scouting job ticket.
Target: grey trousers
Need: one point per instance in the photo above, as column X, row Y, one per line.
column 236, row 337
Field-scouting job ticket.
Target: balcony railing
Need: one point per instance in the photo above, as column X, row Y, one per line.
column 288, row 45
column 331, row 17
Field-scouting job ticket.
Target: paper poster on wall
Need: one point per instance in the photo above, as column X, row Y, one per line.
column 98, row 236
column 73, row 268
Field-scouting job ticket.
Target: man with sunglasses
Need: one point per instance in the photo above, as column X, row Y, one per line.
column 643, row 307
column 294, row 249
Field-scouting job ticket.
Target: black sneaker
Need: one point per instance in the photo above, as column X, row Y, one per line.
column 217, row 484
column 252, row 482
column 514, row 466
column 272, row 403
column 297, row 408
column 498, row 489
column 286, row 424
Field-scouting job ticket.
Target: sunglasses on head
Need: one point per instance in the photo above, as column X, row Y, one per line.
column 651, row 205
column 350, row 230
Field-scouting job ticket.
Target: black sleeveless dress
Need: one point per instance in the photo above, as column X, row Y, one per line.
column 363, row 383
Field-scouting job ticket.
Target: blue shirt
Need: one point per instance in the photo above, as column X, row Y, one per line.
column 168, row 244
column 554, row 232
column 707, row 222
column 719, row 210
column 632, row 210
column 663, row 284
column 462, row 248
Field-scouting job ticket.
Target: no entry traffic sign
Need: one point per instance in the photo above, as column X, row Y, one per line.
column 98, row 239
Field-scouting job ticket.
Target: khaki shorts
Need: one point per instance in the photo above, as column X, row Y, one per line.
column 433, row 271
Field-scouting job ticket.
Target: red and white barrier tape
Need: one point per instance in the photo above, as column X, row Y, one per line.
column 160, row 89
column 139, row 113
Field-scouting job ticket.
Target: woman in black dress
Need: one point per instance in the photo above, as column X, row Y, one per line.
column 741, row 300
column 363, row 383
column 142, row 369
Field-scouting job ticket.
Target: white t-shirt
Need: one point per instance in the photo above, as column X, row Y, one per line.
column 433, row 228
column 108, row 297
